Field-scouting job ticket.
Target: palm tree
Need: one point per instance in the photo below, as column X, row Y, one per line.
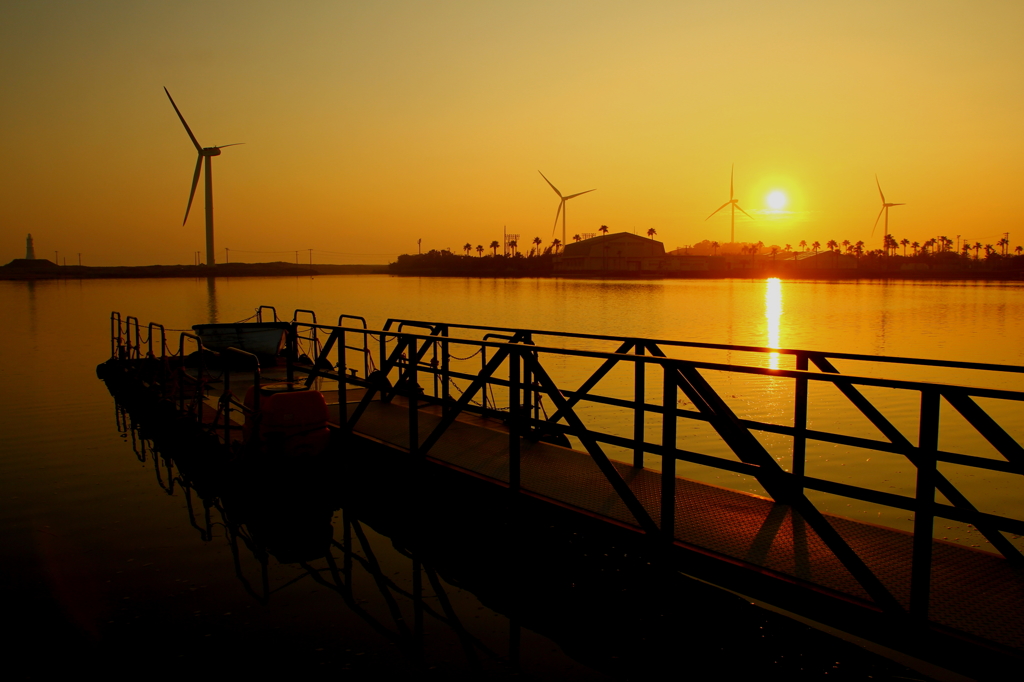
column 495, row 245
column 537, row 242
column 858, row 248
column 904, row 242
column 846, row 245
column 787, row 248
column 557, row 244
column 1003, row 243
column 832, row 244
column 977, row 247
column 803, row 244
column 714, row 248
column 603, row 229
column 915, row 246
column 576, row 238
column 1019, row 249
column 479, row 250
column 467, row 247
column 512, row 244
column 814, row 247
column 651, row 232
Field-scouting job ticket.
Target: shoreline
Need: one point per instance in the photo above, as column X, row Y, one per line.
column 30, row 271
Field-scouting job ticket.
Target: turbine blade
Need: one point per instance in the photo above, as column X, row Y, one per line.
column 896, row 204
column 879, row 188
column 233, row 144
column 552, row 186
column 199, row 147
column 577, row 194
column 719, row 209
column 195, row 183
column 557, row 213
column 876, row 221
column 744, row 212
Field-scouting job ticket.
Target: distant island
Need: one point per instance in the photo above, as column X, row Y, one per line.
column 40, row 268
column 625, row 255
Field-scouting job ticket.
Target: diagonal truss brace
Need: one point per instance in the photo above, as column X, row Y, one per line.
column 774, row 479
column 578, row 429
column 976, row 416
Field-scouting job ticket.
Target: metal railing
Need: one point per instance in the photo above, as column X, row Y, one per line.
column 514, row 381
column 516, row 367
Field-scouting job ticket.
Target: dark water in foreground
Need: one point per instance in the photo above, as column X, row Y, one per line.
column 104, row 563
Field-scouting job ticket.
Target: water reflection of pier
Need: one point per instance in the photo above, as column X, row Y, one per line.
column 420, row 571
column 534, row 418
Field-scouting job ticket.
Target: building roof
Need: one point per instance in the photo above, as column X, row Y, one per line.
column 610, row 244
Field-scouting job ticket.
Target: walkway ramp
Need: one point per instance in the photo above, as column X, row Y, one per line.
column 973, row 591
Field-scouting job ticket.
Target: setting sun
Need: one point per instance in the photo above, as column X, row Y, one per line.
column 777, row 200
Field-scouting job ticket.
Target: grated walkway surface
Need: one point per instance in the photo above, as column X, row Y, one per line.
column 972, row 591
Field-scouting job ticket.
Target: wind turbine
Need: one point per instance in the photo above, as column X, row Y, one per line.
column 561, row 205
column 885, row 210
column 735, row 204
column 204, row 153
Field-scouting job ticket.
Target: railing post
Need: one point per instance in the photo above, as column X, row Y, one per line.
column 639, row 413
column 800, row 425
column 226, row 398
column 414, row 415
column 668, row 459
column 342, row 381
column 924, row 513
column 445, row 368
column 483, row 389
column 514, row 473
column 291, row 350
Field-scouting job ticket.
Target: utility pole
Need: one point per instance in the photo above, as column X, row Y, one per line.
column 79, row 260
column 310, row 257
column 419, row 246
column 226, row 259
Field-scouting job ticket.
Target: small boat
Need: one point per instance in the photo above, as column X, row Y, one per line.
column 263, row 339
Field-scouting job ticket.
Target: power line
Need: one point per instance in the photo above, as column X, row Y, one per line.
column 337, row 253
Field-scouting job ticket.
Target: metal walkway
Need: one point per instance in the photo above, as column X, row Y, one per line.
column 502, row 423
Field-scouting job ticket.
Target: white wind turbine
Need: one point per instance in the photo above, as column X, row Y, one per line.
column 204, row 153
column 885, row 210
column 561, row 205
column 735, row 204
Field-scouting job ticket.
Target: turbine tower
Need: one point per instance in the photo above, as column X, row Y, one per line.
column 885, row 210
column 561, row 205
column 204, row 153
column 735, row 204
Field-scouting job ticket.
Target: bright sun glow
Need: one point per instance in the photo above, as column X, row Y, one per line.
column 777, row 200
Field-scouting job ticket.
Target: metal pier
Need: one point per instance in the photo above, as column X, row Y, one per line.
column 486, row 402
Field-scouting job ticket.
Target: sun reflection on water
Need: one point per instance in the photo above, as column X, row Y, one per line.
column 773, row 313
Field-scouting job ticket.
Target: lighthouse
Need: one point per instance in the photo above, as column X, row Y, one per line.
column 30, row 250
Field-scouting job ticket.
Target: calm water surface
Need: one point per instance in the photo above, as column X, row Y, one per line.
column 86, row 523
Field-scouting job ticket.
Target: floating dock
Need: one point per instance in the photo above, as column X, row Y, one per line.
column 510, row 424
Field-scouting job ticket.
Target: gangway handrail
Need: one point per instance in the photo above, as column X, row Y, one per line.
column 197, row 399
column 260, row 309
column 958, row 364
column 365, row 350
column 910, row 384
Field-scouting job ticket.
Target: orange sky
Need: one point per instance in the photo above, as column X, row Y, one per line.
column 371, row 125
